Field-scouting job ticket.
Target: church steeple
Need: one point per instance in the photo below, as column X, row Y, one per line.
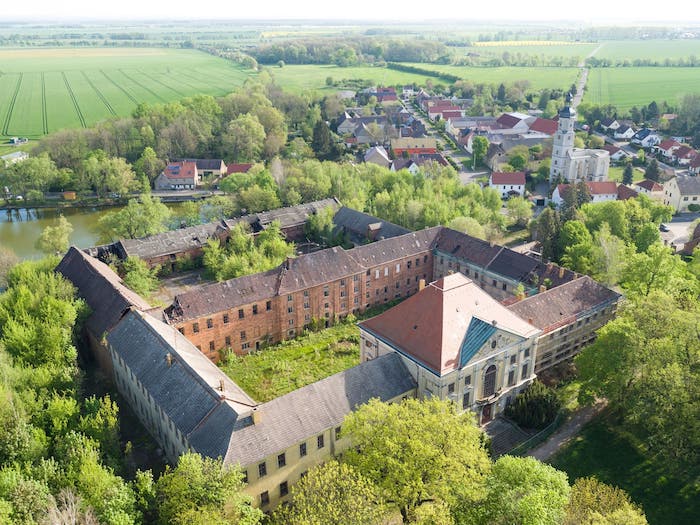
column 563, row 142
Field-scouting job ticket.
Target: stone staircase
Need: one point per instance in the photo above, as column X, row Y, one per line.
column 505, row 435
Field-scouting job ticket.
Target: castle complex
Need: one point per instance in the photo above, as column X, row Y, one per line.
column 476, row 323
column 569, row 164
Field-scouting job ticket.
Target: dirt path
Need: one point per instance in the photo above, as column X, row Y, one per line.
column 567, row 431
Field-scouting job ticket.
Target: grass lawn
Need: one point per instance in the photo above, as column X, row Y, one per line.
column 648, row 49
column 44, row 90
column 604, row 450
column 615, row 173
column 279, row 369
column 625, row 87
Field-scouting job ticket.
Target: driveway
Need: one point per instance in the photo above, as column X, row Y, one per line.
column 679, row 228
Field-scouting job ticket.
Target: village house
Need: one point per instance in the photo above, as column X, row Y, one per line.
column 684, row 155
column 645, row 138
column 694, row 166
column 208, row 167
column 599, row 191
column 377, row 155
column 667, row 149
column 651, row 189
column 681, row 191
column 624, row 132
column 413, row 146
column 609, row 125
column 508, row 184
column 181, row 175
column 617, row 155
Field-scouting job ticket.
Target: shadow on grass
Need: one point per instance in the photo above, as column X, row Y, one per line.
column 603, row 449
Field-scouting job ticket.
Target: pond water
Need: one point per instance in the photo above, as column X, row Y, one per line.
column 20, row 228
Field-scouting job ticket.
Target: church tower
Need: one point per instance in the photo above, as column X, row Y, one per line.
column 563, row 143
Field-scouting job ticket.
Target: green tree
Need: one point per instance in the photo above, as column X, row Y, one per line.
column 139, row 218
column 627, row 174
column 138, row 276
column 54, row 240
column 333, row 494
column 524, row 491
column 468, row 225
column 322, row 142
column 653, row 172
column 203, row 490
column 546, row 229
column 148, row 164
column 595, row 503
column 108, row 174
column 480, row 145
column 7, row 260
column 396, row 447
column 536, row 407
column 244, row 139
column 519, row 210
column 657, row 269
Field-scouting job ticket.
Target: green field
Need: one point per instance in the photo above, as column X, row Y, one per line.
column 43, row 90
column 636, row 86
column 648, row 49
column 573, row 49
column 604, row 450
column 539, row 77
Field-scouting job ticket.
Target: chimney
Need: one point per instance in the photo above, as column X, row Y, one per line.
column 221, row 385
column 169, row 359
column 561, row 272
column 529, row 320
column 421, row 284
column 257, row 416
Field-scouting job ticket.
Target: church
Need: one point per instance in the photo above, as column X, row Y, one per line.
column 569, row 164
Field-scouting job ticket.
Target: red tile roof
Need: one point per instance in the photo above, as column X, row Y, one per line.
column 507, row 121
column 611, row 149
column 685, row 152
column 624, row 193
column 544, row 125
column 180, row 170
column 517, row 177
column 452, row 113
column 431, row 325
column 602, row 188
column 649, row 185
column 238, row 168
column 668, row 144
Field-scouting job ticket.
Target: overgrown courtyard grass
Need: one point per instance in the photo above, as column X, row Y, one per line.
column 604, row 449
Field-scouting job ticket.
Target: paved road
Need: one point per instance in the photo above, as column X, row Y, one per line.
column 567, row 431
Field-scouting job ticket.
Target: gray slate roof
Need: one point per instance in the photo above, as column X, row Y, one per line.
column 356, row 225
column 688, row 185
column 395, row 248
column 310, row 410
column 295, row 215
column 170, row 242
column 101, row 288
column 545, row 310
column 315, row 269
column 187, row 390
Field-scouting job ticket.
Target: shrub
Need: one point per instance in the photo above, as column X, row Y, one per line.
column 536, row 407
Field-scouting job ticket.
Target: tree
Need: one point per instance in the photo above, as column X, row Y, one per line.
column 627, row 174
column 148, row 164
column 69, row 509
column 138, row 276
column 203, row 490
column 322, row 142
column 396, row 447
column 467, row 225
column 653, row 171
column 519, row 210
column 524, row 491
column 108, row 174
column 536, row 407
column 657, row 269
column 333, row 494
column 518, row 158
column 7, row 260
column 593, row 502
column 54, row 240
column 480, row 145
column 139, row 218
column 244, row 138
column 546, row 230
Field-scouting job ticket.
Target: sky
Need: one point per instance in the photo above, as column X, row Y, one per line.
column 620, row 12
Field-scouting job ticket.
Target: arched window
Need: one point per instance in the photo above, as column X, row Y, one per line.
column 490, row 381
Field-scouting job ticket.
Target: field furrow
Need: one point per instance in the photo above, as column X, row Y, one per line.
column 140, row 83
column 61, row 112
column 10, row 102
column 99, row 94
column 26, row 110
column 92, row 107
column 44, row 113
column 119, row 87
column 74, row 100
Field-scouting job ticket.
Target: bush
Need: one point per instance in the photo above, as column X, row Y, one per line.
column 694, row 207
column 536, row 407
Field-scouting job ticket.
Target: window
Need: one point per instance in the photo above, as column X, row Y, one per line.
column 211, row 346
column 195, row 327
column 302, row 450
column 262, row 469
column 227, row 341
column 243, row 335
column 210, row 323
column 342, row 293
column 325, row 305
column 465, row 400
column 527, row 352
column 306, row 293
column 268, row 305
column 241, row 315
column 307, row 317
column 290, row 309
column 490, row 381
column 245, row 476
column 504, row 286
column 376, row 274
column 512, row 359
column 307, row 305
column 284, row 489
column 264, row 498
column 398, row 267
column 355, row 278
column 451, row 388
column 511, row 378
column 524, row 374
column 291, row 322
column 255, row 309
column 476, row 275
column 467, row 380
column 225, row 318
column 289, row 297
column 342, row 282
column 319, row 441
column 337, row 433
column 281, row 460
column 245, row 346
column 325, row 291
column 494, row 282
column 408, row 265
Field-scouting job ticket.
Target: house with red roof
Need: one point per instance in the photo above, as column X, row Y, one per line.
column 413, row 146
column 600, row 191
column 684, row 155
column 238, row 168
column 616, row 154
column 458, row 343
column 650, row 188
column 667, row 148
column 182, row 175
column 508, row 184
column 544, row 125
